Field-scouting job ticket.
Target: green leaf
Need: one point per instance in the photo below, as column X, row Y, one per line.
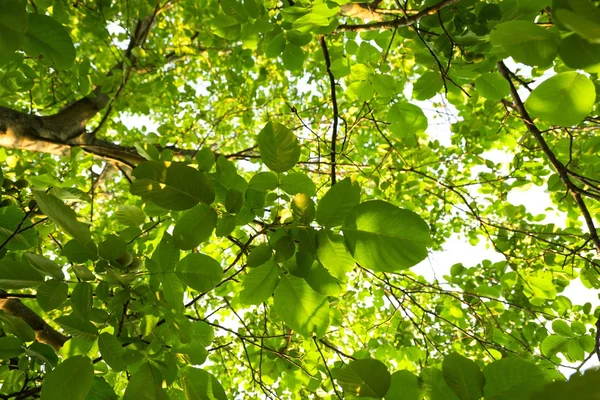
column 300, row 307
column 383, row 237
column 52, row 294
column 45, row 266
column 47, row 39
column 427, row 86
column 263, row 181
column 333, row 254
column 492, row 86
column 200, row 272
column 226, row 27
column 13, row 24
column 166, row 255
column 337, row 202
column 582, row 18
column 112, row 351
column 234, row 9
column 201, row 385
column 279, row 148
column 65, row 217
column 526, row 42
column 18, row 275
column 11, row 218
column 584, row 387
column 293, row 57
column 234, row 201
column 174, row 187
column 101, row 390
column 562, row 328
column 77, row 327
column 173, row 289
column 578, row 53
column 364, row 378
column 303, row 209
column 70, row 380
column 463, row 376
column 260, row 283
column 76, row 252
column 130, row 215
column 205, row 159
column 112, row 248
column 297, row 182
column 322, row 282
column 225, row 225
column 82, row 299
column 11, row 347
column 407, row 119
column 145, row 384
column 259, row 255
column 194, row 227
column 436, row 387
column 404, row 385
column 17, row 327
column 512, row 378
column 564, row 99
column 553, row 344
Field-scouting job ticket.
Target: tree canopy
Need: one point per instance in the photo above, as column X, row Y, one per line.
column 226, row 199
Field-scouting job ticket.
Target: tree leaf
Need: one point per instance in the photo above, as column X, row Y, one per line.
column 553, row 344
column 13, row 25
column 112, row 351
column 364, row 378
column 199, row 271
column 52, row 294
column 66, row 218
column 145, row 384
column 201, row 385
column 337, row 202
column 47, row 39
column 77, row 327
column 194, row 227
column 404, row 385
column 260, row 283
column 512, row 378
column 383, row 237
column 333, row 254
column 11, row 347
column 45, row 266
column 564, row 99
column 129, row 215
column 303, row 209
column 82, row 299
column 70, row 380
column 300, row 307
column 279, row 148
column 174, row 187
column 463, row 376
column 492, row 86
column 526, row 42
column 18, row 275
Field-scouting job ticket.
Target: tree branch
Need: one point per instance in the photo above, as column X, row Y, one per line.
column 335, row 107
column 44, row 333
column 406, row 21
column 558, row 166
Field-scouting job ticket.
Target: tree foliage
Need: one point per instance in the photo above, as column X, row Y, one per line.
column 227, row 199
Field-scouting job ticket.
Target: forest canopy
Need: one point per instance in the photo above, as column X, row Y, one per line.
column 231, row 199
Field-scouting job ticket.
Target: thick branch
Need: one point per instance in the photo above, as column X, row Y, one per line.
column 558, row 166
column 406, row 21
column 44, row 333
column 335, row 107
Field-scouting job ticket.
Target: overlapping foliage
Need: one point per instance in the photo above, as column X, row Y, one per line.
column 228, row 199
